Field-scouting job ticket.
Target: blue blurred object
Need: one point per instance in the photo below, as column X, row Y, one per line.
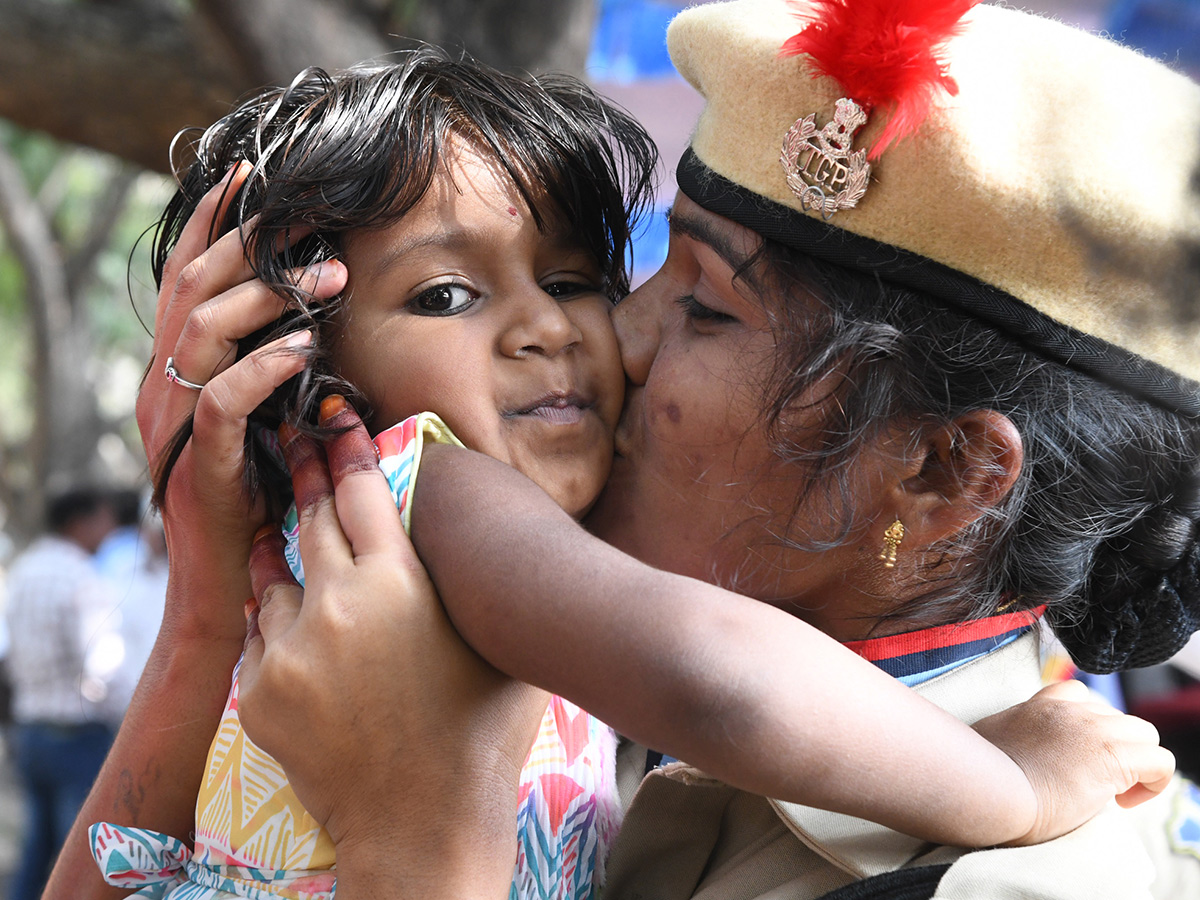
column 629, row 46
column 1107, row 686
column 649, row 244
column 630, row 40
column 1165, row 29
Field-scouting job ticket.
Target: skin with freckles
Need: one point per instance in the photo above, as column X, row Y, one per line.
column 695, row 487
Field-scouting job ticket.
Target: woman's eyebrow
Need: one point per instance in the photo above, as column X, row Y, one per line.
column 702, row 230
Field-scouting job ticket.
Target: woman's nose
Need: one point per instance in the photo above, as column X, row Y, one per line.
column 540, row 325
column 638, row 325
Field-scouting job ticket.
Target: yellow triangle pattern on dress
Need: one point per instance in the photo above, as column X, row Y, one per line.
column 270, row 829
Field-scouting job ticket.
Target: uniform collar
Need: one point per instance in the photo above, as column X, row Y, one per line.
column 970, row 691
column 915, row 657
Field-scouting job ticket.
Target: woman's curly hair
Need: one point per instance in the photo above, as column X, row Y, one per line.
column 1103, row 523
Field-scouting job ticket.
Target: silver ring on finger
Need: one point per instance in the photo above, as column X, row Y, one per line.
column 175, row 378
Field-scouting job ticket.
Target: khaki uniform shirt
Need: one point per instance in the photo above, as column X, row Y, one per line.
column 688, row 836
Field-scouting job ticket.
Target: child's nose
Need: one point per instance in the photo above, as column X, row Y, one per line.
column 539, row 325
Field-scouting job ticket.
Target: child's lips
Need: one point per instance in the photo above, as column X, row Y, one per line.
column 559, row 415
column 555, row 409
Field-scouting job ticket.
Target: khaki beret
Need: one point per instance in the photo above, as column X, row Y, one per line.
column 1055, row 194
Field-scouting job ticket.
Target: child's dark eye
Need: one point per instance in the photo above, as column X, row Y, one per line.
column 565, row 290
column 697, row 311
column 442, row 300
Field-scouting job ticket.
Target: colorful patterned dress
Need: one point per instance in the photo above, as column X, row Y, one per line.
column 253, row 838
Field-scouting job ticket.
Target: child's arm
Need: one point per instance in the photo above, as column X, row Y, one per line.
column 744, row 691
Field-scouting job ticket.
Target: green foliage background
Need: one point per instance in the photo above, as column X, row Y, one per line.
column 69, row 183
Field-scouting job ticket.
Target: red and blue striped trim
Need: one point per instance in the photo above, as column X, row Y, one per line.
column 917, row 656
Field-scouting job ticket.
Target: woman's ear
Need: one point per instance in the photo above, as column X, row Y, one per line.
column 959, row 472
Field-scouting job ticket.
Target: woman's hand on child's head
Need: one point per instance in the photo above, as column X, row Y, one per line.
column 209, row 299
column 395, row 735
column 1078, row 754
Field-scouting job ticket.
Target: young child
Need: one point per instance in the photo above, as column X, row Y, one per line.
column 483, row 221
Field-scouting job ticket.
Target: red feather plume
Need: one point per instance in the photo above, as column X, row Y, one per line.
column 884, row 53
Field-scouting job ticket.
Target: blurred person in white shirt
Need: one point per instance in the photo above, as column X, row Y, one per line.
column 133, row 557
column 59, row 614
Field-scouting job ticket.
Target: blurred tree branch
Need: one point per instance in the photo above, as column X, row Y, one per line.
column 115, row 76
column 67, row 421
column 125, row 76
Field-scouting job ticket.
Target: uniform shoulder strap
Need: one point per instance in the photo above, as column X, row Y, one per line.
column 919, row 883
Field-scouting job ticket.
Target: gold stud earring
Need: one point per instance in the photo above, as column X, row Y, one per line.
column 891, row 542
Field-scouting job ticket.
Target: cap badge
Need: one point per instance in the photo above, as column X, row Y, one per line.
column 821, row 168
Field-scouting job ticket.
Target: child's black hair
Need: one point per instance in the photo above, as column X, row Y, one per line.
column 333, row 153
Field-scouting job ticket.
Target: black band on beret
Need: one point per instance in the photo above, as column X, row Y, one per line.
column 1014, row 317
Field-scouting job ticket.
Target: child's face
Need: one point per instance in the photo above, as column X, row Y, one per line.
column 465, row 309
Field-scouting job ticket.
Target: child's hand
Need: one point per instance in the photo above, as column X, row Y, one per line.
column 1078, row 754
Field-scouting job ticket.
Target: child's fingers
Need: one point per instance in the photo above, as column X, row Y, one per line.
column 1141, row 768
column 1154, row 766
column 1129, row 729
column 365, row 505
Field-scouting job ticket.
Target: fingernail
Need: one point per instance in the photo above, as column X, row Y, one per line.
column 251, row 608
column 266, row 529
column 287, row 433
column 299, row 339
column 331, row 406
